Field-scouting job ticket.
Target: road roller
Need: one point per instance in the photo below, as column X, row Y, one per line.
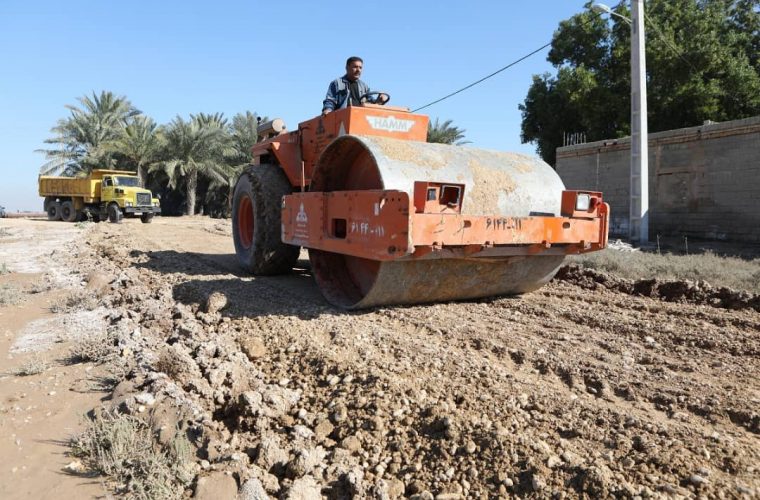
column 388, row 218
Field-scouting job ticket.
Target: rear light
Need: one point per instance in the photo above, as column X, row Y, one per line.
column 583, row 202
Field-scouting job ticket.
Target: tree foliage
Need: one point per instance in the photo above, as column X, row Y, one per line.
column 194, row 148
column 702, row 64
column 82, row 138
column 139, row 144
column 445, row 133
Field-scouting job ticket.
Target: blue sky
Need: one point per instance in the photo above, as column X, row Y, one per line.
column 274, row 58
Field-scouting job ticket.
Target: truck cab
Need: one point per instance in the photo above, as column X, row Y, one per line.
column 125, row 191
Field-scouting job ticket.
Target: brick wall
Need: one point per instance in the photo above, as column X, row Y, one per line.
column 703, row 181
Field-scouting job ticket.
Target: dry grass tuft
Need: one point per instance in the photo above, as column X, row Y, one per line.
column 100, row 348
column 4, row 269
column 41, row 286
column 10, row 295
column 76, row 301
column 4, row 232
column 123, row 448
column 731, row 272
column 32, row 366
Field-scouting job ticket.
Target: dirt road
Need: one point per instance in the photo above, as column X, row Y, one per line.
column 42, row 398
column 572, row 390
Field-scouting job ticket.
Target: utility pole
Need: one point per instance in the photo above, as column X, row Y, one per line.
column 639, row 212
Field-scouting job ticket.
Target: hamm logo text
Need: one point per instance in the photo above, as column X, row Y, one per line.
column 390, row 123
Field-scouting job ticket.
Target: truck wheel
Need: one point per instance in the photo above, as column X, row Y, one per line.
column 114, row 213
column 256, row 221
column 146, row 218
column 54, row 211
column 68, row 212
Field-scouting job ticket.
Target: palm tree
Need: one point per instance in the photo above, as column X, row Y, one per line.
column 237, row 156
column 194, row 147
column 82, row 136
column 243, row 136
column 140, row 143
column 445, row 133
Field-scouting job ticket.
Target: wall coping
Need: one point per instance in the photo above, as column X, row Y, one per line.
column 705, row 131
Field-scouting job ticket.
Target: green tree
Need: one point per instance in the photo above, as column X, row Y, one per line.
column 140, row 145
column 701, row 65
column 243, row 136
column 237, row 155
column 445, row 133
column 81, row 138
column 194, row 148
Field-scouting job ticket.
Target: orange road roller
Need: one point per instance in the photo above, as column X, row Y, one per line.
column 391, row 219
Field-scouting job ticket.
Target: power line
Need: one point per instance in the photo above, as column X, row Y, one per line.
column 662, row 36
column 492, row 74
column 484, row 78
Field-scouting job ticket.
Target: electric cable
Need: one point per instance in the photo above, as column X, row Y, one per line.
column 494, row 73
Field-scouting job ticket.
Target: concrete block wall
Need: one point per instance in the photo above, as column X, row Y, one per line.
column 703, row 181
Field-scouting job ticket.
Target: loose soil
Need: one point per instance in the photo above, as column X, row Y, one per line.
column 592, row 386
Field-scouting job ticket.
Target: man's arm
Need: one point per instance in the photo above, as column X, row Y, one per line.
column 331, row 98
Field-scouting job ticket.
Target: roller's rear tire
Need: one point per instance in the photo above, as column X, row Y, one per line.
column 257, row 223
column 68, row 212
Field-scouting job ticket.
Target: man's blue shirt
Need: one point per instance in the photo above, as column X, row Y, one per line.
column 338, row 93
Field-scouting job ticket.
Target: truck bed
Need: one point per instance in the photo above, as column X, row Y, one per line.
column 69, row 186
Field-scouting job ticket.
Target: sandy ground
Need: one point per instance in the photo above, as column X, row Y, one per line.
column 39, row 413
column 578, row 389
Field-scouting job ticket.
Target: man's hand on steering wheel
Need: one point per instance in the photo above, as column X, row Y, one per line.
column 376, row 98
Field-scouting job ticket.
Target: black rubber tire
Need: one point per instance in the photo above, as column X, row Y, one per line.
column 260, row 249
column 89, row 215
column 53, row 210
column 114, row 213
column 146, row 218
column 68, row 212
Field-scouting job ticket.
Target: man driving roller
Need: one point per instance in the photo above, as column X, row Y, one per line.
column 349, row 90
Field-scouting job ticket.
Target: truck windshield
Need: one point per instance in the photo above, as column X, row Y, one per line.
column 128, row 181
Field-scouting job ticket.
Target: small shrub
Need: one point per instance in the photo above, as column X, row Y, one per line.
column 10, row 295
column 99, row 348
column 4, row 232
column 32, row 366
column 123, row 448
column 43, row 285
column 4, row 269
column 76, row 301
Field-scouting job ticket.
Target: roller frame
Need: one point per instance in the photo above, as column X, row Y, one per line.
column 383, row 225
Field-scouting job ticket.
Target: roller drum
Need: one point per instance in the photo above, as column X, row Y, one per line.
column 496, row 183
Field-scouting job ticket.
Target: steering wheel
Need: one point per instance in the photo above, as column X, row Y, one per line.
column 372, row 97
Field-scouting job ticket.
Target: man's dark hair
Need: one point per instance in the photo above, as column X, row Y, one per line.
column 353, row 59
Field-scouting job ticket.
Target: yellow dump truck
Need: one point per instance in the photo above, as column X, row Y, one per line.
column 104, row 194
